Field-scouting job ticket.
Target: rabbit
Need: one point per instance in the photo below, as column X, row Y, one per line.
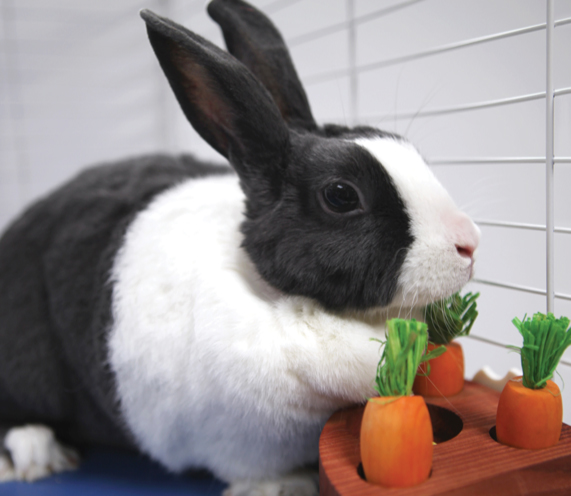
column 211, row 316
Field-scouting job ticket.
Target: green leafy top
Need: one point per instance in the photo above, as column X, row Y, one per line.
column 404, row 350
column 545, row 338
column 451, row 318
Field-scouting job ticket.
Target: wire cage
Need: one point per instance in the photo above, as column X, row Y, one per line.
column 483, row 89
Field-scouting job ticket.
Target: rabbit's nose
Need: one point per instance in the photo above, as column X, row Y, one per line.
column 466, row 235
column 466, row 251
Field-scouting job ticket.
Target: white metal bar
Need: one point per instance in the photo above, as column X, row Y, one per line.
column 273, row 7
column 516, row 287
column 352, row 46
column 371, row 16
column 458, row 45
column 494, row 160
column 524, row 289
column 561, row 91
column 165, row 105
column 328, row 75
column 469, row 106
column 521, row 225
column 485, row 160
column 315, row 35
column 486, row 340
column 453, row 109
column 16, row 111
column 549, row 164
column 503, row 345
column 340, row 26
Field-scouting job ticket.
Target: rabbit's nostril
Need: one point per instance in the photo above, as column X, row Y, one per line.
column 465, row 251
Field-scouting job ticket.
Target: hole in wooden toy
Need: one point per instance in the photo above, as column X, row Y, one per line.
column 361, row 472
column 446, row 424
column 493, row 434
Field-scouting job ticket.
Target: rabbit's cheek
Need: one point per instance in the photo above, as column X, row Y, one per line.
column 433, row 271
column 441, row 259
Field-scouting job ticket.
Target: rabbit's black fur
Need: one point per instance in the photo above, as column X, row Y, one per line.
column 55, row 310
column 342, row 262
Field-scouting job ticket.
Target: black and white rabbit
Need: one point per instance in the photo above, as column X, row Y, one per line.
column 215, row 317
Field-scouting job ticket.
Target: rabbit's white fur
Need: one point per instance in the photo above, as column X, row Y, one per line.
column 204, row 351
column 214, row 367
column 34, row 453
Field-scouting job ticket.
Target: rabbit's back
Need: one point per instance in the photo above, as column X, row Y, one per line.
column 55, row 263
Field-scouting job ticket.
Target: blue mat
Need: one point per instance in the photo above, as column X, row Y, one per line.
column 111, row 473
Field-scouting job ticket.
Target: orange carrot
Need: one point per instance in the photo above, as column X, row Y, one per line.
column 446, row 319
column 530, row 410
column 443, row 375
column 396, row 432
column 396, row 441
column 529, row 418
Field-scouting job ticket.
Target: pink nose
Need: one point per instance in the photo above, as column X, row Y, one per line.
column 465, row 234
column 466, row 251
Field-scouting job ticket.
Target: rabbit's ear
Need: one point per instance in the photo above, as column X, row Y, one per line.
column 252, row 38
column 221, row 98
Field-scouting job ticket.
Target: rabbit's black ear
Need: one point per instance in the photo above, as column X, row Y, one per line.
column 221, row 98
column 252, row 38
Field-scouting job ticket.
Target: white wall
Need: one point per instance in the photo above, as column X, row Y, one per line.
column 77, row 85
column 80, row 84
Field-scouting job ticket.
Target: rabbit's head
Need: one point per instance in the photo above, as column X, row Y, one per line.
column 352, row 218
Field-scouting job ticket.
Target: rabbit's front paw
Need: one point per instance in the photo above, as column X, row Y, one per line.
column 295, row 484
column 34, row 453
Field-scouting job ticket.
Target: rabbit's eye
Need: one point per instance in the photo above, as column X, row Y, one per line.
column 341, row 198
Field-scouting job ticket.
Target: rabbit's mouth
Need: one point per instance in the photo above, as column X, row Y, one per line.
column 430, row 274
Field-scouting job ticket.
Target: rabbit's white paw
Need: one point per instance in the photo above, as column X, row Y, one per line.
column 295, row 484
column 35, row 453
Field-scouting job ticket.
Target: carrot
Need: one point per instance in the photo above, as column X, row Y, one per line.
column 529, row 418
column 530, row 410
column 396, row 441
column 396, row 432
column 446, row 320
column 443, row 375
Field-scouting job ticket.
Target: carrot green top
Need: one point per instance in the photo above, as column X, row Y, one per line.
column 545, row 338
column 451, row 318
column 404, row 350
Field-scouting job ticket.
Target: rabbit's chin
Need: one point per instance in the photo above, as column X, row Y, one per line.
column 419, row 287
column 419, row 297
column 434, row 268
